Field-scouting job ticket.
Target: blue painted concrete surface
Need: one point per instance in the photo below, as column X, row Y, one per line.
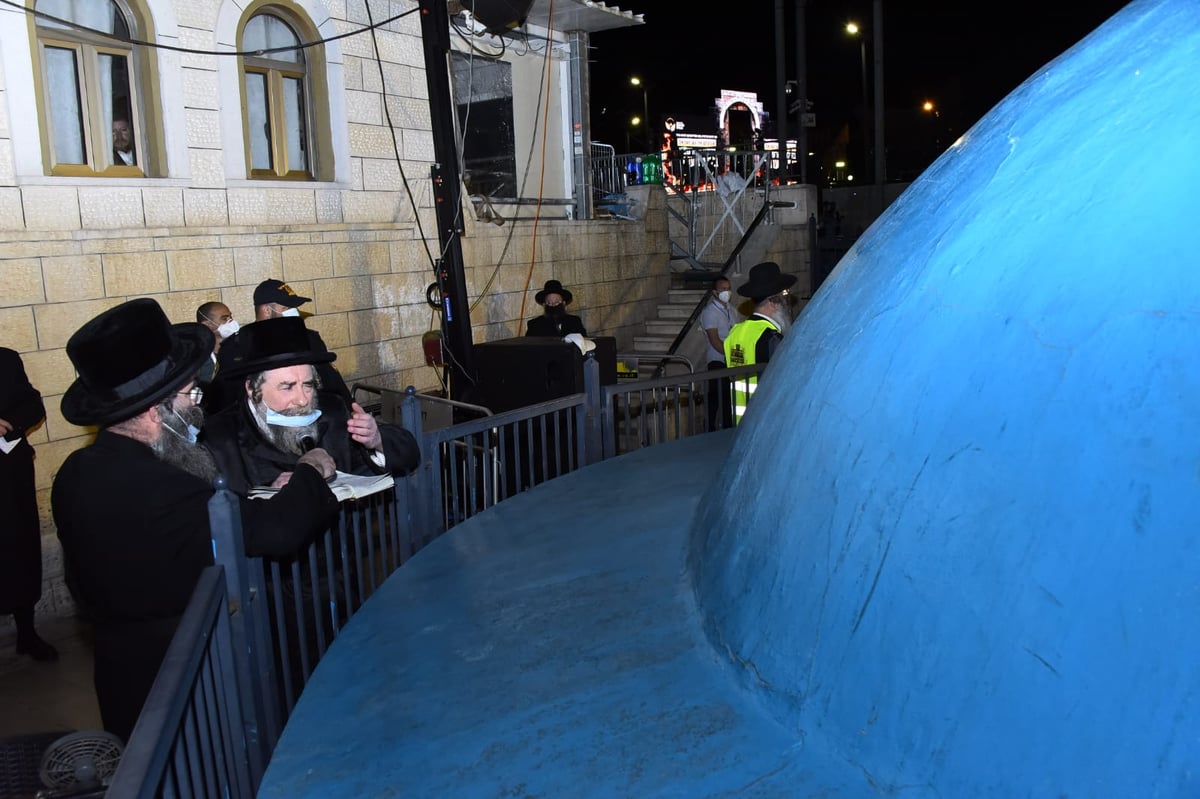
column 548, row 647
column 951, row 552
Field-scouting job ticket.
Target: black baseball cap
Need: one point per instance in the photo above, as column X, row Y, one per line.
column 277, row 291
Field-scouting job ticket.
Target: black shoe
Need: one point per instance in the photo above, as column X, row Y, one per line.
column 36, row 648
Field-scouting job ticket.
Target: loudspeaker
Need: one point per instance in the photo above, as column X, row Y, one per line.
column 500, row 15
column 517, row 372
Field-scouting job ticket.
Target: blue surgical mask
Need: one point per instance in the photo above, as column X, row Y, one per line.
column 282, row 420
column 291, row 312
column 192, row 432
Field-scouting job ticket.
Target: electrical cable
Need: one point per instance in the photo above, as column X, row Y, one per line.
column 194, row 51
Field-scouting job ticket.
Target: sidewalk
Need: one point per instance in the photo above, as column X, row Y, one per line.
column 39, row 698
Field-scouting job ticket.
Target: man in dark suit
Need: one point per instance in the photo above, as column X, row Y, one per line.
column 283, row 412
column 21, row 411
column 123, row 152
column 273, row 299
column 555, row 321
column 132, row 508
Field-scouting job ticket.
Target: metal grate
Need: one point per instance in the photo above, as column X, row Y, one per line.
column 20, row 761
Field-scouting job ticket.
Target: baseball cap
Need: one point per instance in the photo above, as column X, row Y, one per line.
column 277, row 291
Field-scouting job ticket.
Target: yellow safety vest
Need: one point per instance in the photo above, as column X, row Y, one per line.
column 740, row 347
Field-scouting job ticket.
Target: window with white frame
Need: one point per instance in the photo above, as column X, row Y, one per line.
column 277, row 98
column 88, row 88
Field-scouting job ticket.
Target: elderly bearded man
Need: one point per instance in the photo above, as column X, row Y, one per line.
column 132, row 508
column 258, row 441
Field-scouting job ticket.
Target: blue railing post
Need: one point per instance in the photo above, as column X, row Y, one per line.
column 423, row 488
column 246, row 603
column 592, row 432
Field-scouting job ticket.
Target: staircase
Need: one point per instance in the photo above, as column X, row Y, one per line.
column 662, row 330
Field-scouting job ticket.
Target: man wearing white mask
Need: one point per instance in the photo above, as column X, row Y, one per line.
column 273, row 299
column 131, row 508
column 217, row 317
column 284, row 412
column 715, row 320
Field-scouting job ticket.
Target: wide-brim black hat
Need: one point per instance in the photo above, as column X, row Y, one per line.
column 766, row 280
column 129, row 358
column 269, row 344
column 552, row 287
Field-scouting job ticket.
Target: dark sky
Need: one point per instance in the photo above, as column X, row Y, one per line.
column 964, row 56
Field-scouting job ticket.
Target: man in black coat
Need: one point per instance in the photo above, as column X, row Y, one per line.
column 132, row 508
column 555, row 321
column 284, row 412
column 21, row 411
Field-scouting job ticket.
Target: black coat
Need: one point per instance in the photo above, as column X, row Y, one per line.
column 135, row 538
column 558, row 327
column 247, row 459
column 20, row 531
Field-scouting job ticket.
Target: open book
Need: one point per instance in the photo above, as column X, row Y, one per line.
column 344, row 486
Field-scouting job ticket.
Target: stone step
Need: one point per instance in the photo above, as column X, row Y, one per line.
column 675, row 311
column 685, row 296
column 647, row 344
column 664, row 327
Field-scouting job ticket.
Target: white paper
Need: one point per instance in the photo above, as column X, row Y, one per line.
column 7, row 446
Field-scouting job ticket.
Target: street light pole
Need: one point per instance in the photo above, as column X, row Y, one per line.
column 636, row 81
column 880, row 150
column 853, row 29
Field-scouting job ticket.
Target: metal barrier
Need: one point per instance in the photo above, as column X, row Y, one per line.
column 254, row 630
column 188, row 739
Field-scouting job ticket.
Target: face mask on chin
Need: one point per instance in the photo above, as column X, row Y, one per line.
column 184, row 426
column 556, row 310
column 291, row 312
column 285, row 420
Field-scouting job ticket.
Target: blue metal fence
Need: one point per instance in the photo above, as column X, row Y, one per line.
column 255, row 629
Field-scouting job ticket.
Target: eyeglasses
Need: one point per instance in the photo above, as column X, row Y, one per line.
column 195, row 394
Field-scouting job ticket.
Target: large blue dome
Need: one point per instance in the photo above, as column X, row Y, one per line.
column 956, row 540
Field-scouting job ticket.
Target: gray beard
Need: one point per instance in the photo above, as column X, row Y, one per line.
column 284, row 439
column 172, row 447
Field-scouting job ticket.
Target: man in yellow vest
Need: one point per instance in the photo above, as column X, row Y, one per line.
column 755, row 339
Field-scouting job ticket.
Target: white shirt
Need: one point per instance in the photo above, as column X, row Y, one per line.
column 719, row 316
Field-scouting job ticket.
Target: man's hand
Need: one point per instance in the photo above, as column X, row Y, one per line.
column 364, row 429
column 320, row 460
column 5, row 427
column 281, row 480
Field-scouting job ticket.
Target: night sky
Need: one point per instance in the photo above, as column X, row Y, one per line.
column 963, row 56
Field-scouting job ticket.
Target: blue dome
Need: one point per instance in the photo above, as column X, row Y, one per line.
column 956, row 539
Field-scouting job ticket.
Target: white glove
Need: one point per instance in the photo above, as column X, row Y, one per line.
column 585, row 345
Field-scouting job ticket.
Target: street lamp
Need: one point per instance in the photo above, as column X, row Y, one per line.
column 853, row 30
column 638, row 83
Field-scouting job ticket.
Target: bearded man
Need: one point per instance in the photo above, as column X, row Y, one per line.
column 285, row 412
column 132, row 508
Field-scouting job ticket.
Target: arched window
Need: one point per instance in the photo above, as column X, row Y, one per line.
column 277, row 98
column 88, row 88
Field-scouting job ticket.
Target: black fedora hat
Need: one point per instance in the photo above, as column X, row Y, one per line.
column 127, row 359
column 552, row 287
column 269, row 344
column 766, row 280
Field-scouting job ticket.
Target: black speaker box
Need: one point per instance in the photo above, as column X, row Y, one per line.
column 517, row 372
column 500, row 15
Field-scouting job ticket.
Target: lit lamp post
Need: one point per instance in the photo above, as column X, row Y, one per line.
column 637, row 82
column 853, row 29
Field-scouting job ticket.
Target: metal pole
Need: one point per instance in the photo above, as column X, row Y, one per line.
column 781, row 88
column 447, row 187
column 801, row 89
column 866, row 108
column 880, row 149
column 646, row 121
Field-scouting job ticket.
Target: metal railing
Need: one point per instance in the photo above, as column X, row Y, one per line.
column 255, row 629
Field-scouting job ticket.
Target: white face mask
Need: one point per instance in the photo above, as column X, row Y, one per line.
column 228, row 329
column 291, row 312
column 723, row 296
column 282, row 420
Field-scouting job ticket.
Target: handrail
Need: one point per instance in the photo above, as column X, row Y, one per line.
column 695, row 314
